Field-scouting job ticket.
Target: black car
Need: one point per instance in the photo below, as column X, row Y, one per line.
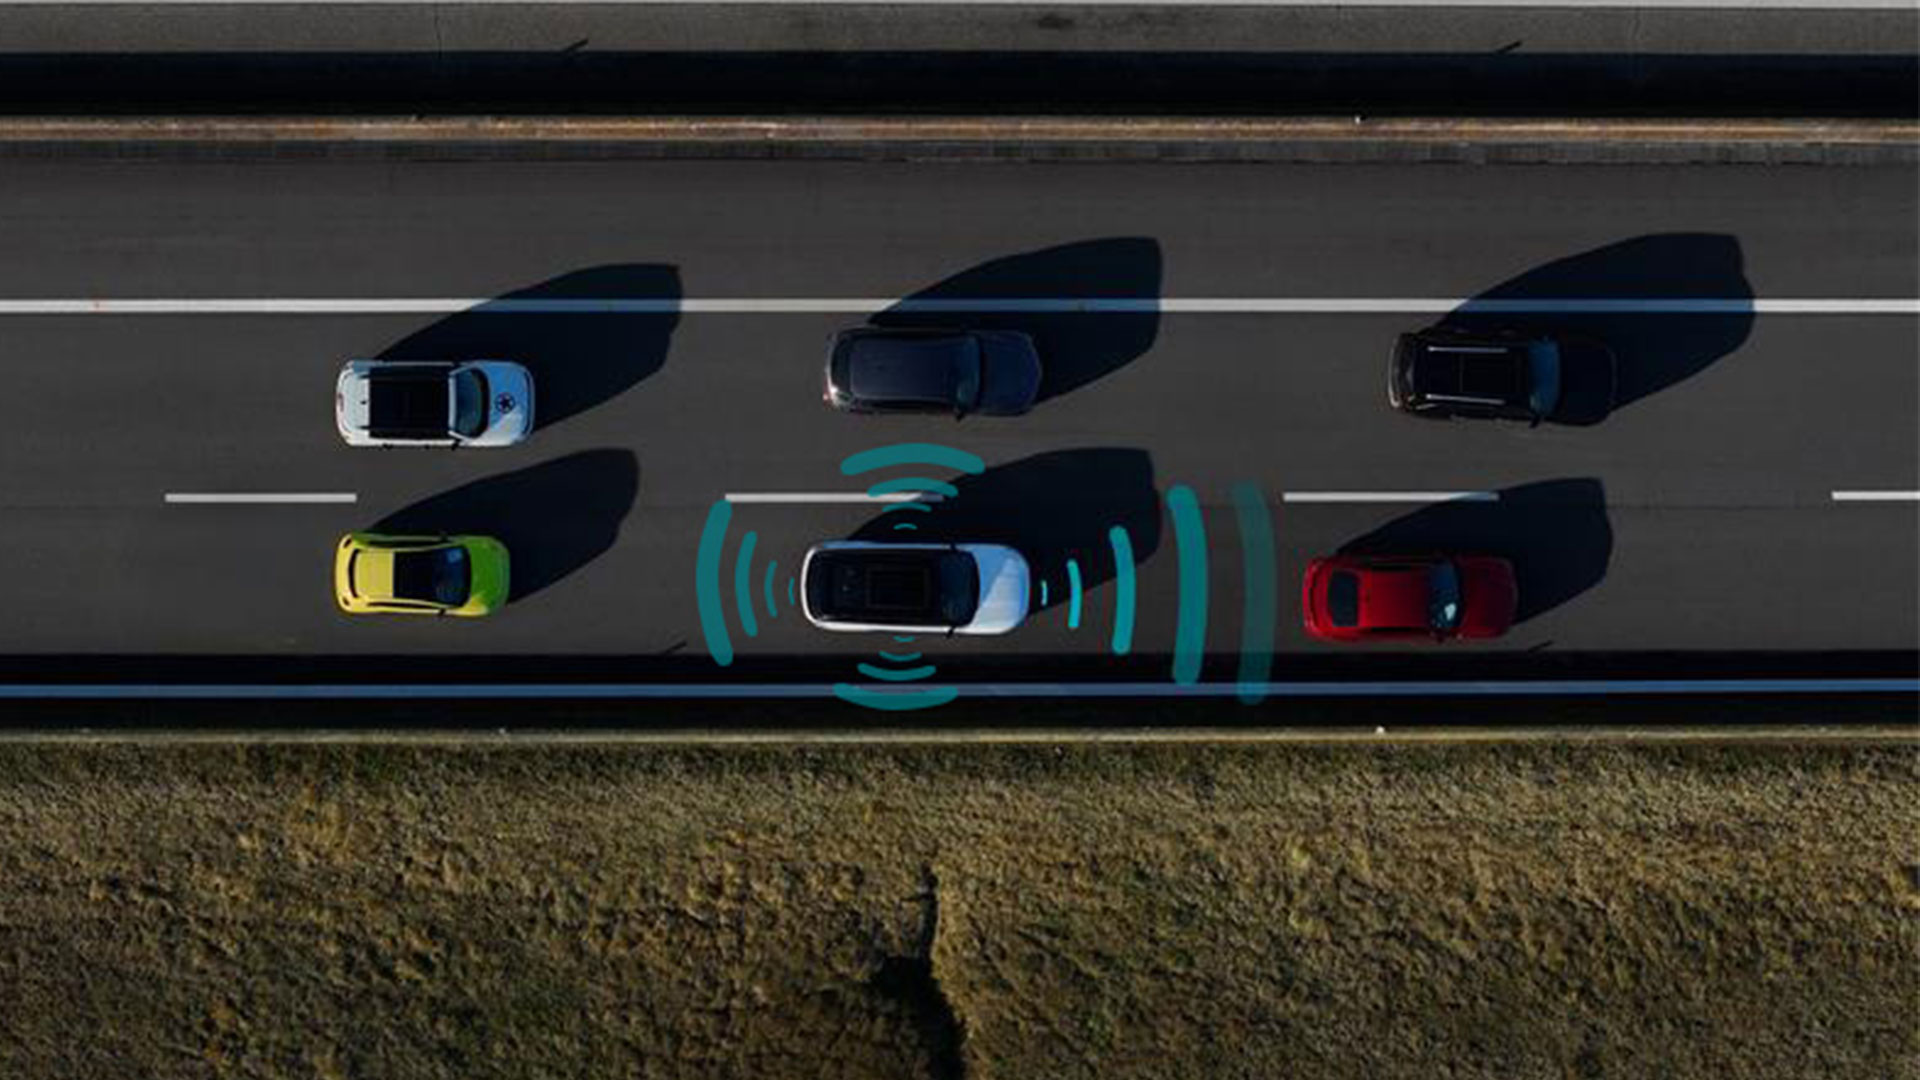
column 884, row 369
column 1503, row 375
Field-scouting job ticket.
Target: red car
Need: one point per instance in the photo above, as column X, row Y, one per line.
column 1406, row 598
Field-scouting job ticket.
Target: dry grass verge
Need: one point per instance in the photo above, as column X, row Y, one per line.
column 1173, row 911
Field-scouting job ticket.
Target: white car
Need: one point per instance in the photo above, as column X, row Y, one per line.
column 427, row 403
column 854, row 585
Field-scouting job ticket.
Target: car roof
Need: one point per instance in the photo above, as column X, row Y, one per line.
column 1394, row 597
column 873, row 585
column 906, row 367
column 1491, row 371
column 408, row 401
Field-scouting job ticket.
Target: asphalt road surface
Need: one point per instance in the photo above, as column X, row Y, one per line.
column 1693, row 531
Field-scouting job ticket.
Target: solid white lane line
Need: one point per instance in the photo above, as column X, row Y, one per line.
column 260, row 497
column 831, row 497
column 1876, row 496
column 1388, row 496
column 1010, row 305
column 968, row 691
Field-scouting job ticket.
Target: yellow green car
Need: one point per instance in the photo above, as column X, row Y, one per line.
column 419, row 575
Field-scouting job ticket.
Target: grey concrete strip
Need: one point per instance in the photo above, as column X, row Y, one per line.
column 1317, row 140
column 983, row 129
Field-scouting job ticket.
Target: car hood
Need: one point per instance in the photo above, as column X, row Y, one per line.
column 1004, row 589
column 1491, row 596
column 510, row 405
column 491, row 582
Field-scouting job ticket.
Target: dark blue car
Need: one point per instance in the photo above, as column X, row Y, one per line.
column 884, row 369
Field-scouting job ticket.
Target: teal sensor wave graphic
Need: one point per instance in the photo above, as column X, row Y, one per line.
column 748, row 598
column 1190, row 632
column 706, row 583
column 886, row 457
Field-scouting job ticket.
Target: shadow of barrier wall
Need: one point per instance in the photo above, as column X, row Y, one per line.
column 1117, row 81
column 578, row 359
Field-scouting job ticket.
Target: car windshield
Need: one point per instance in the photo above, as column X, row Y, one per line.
column 441, row 576
column 1543, row 365
column 959, row 588
column 469, row 403
column 1443, row 596
column 967, row 376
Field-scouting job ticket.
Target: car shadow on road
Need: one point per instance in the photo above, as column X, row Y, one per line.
column 1556, row 534
column 554, row 517
column 579, row 359
column 1075, row 348
column 1653, row 351
column 1050, row 507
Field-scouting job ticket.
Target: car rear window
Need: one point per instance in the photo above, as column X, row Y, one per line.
column 1343, row 598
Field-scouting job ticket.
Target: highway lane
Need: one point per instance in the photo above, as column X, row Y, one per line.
column 1696, row 519
column 485, row 228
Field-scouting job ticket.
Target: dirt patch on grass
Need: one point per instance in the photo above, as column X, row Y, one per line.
column 1352, row 911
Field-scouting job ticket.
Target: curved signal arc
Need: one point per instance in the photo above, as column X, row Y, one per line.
column 742, row 586
column 897, row 699
column 917, row 484
column 924, row 671
column 1190, row 630
column 912, row 454
column 706, row 583
column 1123, row 590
